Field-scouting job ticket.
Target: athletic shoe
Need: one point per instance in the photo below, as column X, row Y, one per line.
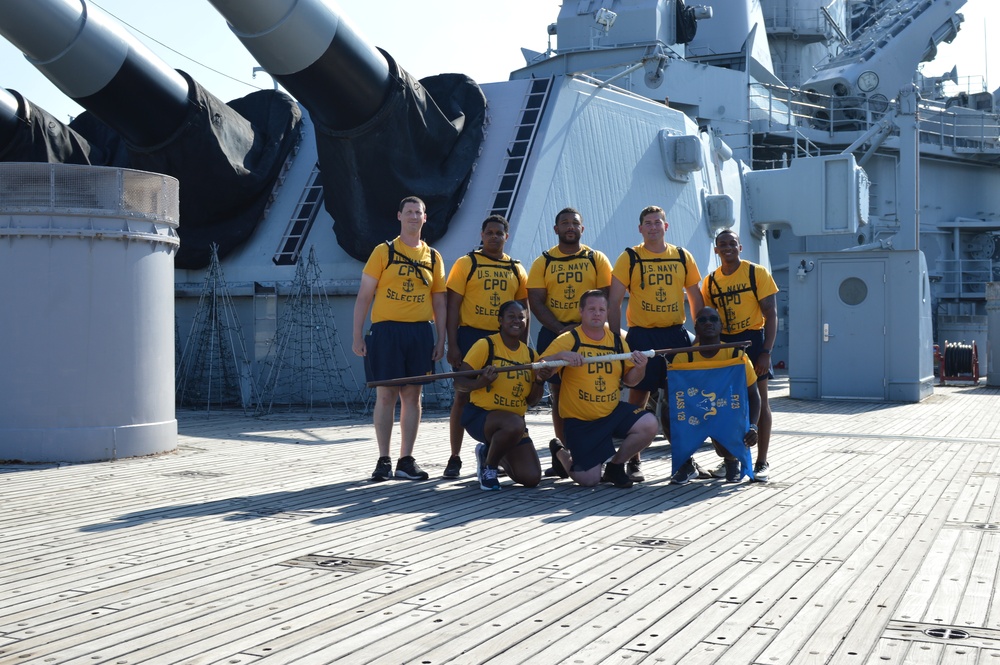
column 634, row 470
column 488, row 478
column 407, row 467
column 383, row 470
column 733, row 474
column 719, row 471
column 480, row 461
column 615, row 473
column 454, row 467
column 761, row 472
column 557, row 468
column 685, row 474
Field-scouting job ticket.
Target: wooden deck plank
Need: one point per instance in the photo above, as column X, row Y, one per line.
column 178, row 558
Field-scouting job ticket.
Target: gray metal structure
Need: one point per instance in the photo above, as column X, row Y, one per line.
column 802, row 124
column 86, row 257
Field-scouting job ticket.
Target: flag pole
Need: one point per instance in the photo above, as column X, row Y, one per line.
column 541, row 364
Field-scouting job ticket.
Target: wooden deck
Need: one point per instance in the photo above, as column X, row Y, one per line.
column 261, row 541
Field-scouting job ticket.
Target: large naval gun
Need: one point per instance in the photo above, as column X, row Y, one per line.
column 143, row 115
column 703, row 110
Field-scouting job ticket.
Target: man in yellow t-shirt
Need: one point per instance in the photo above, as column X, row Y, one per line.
column 477, row 285
column 744, row 295
column 657, row 277
column 405, row 280
column 591, row 405
column 707, row 327
column 556, row 281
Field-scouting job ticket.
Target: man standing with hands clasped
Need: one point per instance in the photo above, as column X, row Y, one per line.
column 405, row 279
column 743, row 292
column 657, row 276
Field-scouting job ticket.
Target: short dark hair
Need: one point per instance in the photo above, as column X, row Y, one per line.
column 651, row 209
column 496, row 219
column 412, row 199
column 507, row 305
column 727, row 232
column 568, row 211
column 593, row 293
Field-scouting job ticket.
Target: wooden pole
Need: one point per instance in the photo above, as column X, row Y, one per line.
column 427, row 378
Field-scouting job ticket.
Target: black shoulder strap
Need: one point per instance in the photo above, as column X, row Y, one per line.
column 490, row 352
column 576, row 340
column 589, row 255
column 753, row 279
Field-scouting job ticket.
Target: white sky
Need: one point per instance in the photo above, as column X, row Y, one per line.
column 478, row 38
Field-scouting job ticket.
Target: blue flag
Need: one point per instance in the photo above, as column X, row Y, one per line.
column 709, row 403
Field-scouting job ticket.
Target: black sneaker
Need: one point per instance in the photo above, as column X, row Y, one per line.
column 761, row 472
column 488, row 478
column 557, row 468
column 733, row 473
column 407, row 467
column 383, row 470
column 634, row 470
column 454, row 467
column 615, row 473
column 685, row 474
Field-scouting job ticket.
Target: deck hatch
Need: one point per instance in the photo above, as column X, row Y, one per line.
column 332, row 562
column 654, row 543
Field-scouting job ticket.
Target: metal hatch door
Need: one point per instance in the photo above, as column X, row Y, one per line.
column 852, row 329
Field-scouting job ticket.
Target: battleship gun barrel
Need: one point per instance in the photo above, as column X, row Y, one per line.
column 8, row 118
column 97, row 64
column 315, row 53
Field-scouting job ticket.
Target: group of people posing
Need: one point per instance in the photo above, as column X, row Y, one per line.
column 483, row 310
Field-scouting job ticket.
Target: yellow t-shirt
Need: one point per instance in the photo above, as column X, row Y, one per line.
column 566, row 277
column 510, row 390
column 722, row 358
column 735, row 298
column 655, row 282
column 405, row 286
column 593, row 390
column 491, row 284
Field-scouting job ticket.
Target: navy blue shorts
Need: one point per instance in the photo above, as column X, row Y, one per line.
column 467, row 336
column 396, row 349
column 590, row 441
column 474, row 423
column 753, row 351
column 645, row 339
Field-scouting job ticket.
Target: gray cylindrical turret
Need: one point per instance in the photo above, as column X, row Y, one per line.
column 98, row 64
column 314, row 52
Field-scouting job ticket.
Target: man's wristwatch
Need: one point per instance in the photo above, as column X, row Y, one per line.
column 753, row 428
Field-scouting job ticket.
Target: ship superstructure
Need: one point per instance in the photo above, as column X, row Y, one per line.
column 796, row 122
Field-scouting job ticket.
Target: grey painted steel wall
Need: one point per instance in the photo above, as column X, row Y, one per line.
column 87, row 330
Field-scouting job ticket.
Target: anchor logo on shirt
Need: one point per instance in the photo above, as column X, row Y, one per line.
column 661, row 295
column 408, row 285
column 569, row 293
column 495, row 299
column 600, row 384
column 517, row 390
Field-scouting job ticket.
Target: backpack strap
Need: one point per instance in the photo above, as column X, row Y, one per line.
column 396, row 257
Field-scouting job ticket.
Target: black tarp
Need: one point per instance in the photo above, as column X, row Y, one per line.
column 423, row 141
column 227, row 158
